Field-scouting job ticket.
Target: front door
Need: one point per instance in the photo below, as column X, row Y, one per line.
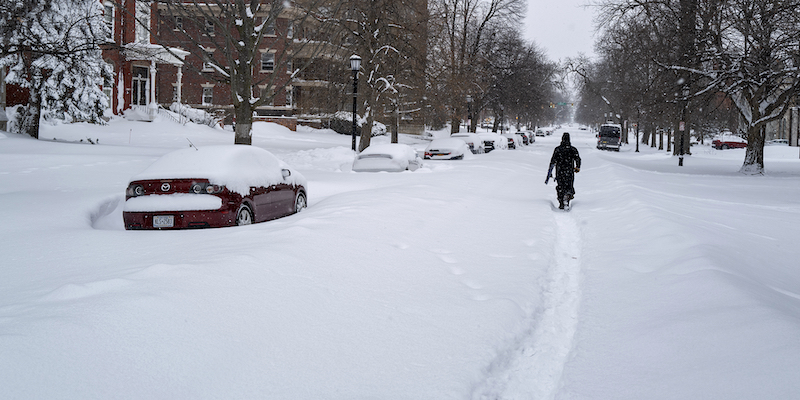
column 140, row 86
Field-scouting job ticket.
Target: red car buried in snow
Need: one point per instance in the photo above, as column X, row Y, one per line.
column 213, row 186
column 733, row 142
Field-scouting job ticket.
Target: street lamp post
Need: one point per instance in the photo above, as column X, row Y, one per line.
column 502, row 118
column 469, row 113
column 355, row 65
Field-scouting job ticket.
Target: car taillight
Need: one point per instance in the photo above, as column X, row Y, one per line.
column 211, row 189
column 135, row 190
column 199, row 188
column 427, row 154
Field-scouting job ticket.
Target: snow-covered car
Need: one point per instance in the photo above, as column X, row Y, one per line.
column 528, row 137
column 388, row 157
column 778, row 142
column 213, row 186
column 514, row 140
column 540, row 132
column 447, row 149
column 473, row 141
column 493, row 141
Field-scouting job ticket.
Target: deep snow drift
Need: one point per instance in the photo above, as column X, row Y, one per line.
column 456, row 281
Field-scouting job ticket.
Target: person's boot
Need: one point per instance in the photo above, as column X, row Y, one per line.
column 561, row 204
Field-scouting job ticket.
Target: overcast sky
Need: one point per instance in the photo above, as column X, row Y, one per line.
column 562, row 28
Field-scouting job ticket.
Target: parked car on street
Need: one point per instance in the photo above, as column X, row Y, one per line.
column 609, row 137
column 514, row 140
column 527, row 137
column 213, row 186
column 728, row 142
column 540, row 132
column 387, row 157
column 778, row 142
column 493, row 141
column 447, row 149
column 473, row 141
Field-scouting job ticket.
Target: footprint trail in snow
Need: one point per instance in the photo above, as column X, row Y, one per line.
column 532, row 368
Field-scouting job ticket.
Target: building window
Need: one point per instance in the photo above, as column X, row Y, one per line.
column 269, row 29
column 143, row 22
column 175, row 93
column 289, row 68
column 208, row 96
column 179, row 23
column 267, row 62
column 289, row 96
column 209, row 27
column 290, row 30
column 207, row 58
column 108, row 17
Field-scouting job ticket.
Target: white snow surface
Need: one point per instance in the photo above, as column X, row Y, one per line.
column 173, row 202
column 457, row 281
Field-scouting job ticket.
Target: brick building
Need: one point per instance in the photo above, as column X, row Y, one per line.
column 147, row 76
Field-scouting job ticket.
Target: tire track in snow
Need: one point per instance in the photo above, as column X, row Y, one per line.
column 532, row 367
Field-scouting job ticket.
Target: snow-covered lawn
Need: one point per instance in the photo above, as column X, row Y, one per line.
column 457, row 281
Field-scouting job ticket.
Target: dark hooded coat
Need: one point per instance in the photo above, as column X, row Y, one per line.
column 566, row 159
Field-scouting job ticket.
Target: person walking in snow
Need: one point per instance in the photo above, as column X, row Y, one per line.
column 567, row 162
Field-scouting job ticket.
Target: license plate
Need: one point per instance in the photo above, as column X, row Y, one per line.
column 163, row 221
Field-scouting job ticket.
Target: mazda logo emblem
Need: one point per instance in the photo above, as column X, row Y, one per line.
column 165, row 187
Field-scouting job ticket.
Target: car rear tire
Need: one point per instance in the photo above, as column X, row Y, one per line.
column 724, row 147
column 244, row 216
column 300, row 202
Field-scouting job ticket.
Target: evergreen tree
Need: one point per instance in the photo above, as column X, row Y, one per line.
column 52, row 48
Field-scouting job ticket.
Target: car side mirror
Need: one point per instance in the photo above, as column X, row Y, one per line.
column 286, row 173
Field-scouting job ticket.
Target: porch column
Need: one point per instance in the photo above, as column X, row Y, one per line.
column 153, row 105
column 180, row 79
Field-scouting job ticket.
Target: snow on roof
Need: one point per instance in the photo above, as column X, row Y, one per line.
column 396, row 150
column 446, row 143
column 237, row 167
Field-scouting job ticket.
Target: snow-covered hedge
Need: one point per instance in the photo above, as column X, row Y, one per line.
column 342, row 122
column 195, row 115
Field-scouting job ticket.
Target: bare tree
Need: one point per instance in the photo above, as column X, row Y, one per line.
column 389, row 36
column 746, row 50
column 459, row 29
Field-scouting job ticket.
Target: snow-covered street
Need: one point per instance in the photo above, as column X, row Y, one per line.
column 456, row 281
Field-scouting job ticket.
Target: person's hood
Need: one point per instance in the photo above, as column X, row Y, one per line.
column 565, row 139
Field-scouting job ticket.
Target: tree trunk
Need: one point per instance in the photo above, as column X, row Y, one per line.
column 670, row 137
column 366, row 130
column 660, row 140
column 244, row 124
column 455, row 121
column 754, row 155
column 29, row 122
column 395, row 118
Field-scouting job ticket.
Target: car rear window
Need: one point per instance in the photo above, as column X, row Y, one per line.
column 609, row 131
